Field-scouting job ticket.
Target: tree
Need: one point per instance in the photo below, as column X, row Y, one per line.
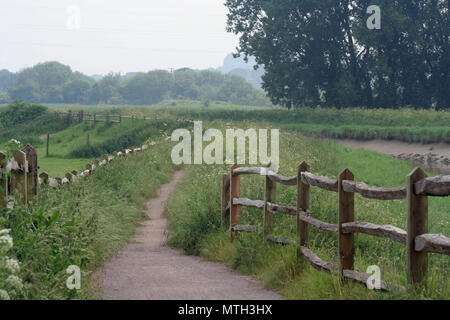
column 76, row 91
column 147, row 88
column 321, row 52
column 7, row 80
column 185, row 84
column 28, row 90
column 4, row 97
column 106, row 90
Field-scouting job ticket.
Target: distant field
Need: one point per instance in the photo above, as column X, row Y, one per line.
column 409, row 125
column 68, row 150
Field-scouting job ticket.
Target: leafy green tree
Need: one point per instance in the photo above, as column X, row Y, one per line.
column 185, row 84
column 106, row 90
column 7, row 79
column 4, row 97
column 321, row 52
column 27, row 90
column 147, row 88
column 77, row 91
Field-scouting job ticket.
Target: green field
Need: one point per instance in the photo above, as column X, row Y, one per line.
column 406, row 124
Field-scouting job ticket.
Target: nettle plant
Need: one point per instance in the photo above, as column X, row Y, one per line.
column 11, row 286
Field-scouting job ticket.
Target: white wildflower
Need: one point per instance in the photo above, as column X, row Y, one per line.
column 6, row 243
column 5, row 232
column 15, row 282
column 15, row 141
column 4, row 295
column 12, row 265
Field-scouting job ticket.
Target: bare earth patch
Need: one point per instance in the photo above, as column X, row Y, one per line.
column 149, row 270
column 432, row 157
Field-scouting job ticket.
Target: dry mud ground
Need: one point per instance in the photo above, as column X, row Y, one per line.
column 432, row 157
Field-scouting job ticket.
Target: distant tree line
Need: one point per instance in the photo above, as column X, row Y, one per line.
column 323, row 53
column 53, row 82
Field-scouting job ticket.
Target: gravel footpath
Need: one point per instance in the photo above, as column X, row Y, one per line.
column 149, row 270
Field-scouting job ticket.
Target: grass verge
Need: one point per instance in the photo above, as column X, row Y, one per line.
column 83, row 223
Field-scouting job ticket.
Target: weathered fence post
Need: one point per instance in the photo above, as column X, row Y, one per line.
column 302, row 206
column 346, row 214
column 225, row 198
column 81, row 116
column 269, row 197
column 87, row 140
column 32, row 173
column 48, row 144
column 95, row 119
column 19, row 176
column 417, row 222
column 3, row 181
column 235, row 210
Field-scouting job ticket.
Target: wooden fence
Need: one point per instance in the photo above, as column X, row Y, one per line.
column 20, row 173
column 83, row 116
column 416, row 238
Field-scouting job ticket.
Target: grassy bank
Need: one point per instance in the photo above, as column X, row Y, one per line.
column 194, row 216
column 68, row 149
column 83, row 223
column 405, row 124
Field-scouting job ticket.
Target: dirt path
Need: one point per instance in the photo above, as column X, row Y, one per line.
column 148, row 270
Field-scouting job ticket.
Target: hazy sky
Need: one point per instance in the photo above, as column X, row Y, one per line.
column 114, row 35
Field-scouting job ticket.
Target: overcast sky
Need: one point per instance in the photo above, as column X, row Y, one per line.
column 114, row 35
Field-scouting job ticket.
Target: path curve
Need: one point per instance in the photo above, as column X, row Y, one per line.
column 149, row 270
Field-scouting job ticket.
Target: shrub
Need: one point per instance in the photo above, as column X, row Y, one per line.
column 20, row 112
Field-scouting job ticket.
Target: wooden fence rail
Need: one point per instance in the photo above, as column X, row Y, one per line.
column 83, row 116
column 416, row 238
